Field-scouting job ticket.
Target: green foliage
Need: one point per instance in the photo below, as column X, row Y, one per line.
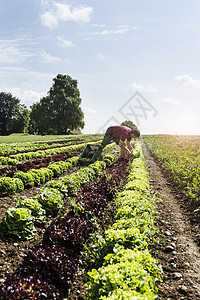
column 109, row 159
column 18, row 222
column 7, row 108
column 34, row 206
column 57, row 184
column 51, row 200
column 47, row 173
column 145, row 223
column 20, row 121
column 129, row 271
column 142, row 258
column 129, row 238
column 36, row 177
column 26, row 178
column 124, row 294
column 135, row 154
column 129, row 124
column 57, row 171
column 10, row 185
column 180, row 157
column 74, row 181
column 123, row 275
column 60, row 110
column 137, row 185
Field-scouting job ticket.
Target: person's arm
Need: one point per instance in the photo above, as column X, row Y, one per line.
column 129, row 145
column 123, row 146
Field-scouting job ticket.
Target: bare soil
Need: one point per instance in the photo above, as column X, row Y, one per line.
column 178, row 224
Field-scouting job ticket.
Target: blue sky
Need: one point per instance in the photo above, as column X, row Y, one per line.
column 136, row 60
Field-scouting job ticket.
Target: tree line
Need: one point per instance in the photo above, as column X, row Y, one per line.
column 57, row 113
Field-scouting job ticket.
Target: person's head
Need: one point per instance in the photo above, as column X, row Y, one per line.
column 135, row 133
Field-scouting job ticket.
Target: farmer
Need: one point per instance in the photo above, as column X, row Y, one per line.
column 122, row 136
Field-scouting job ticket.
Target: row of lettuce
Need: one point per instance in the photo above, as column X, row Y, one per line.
column 45, row 142
column 20, row 221
column 24, row 156
column 128, row 270
column 180, row 157
column 34, row 177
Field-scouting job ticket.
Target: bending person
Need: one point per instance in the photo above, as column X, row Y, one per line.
column 122, row 136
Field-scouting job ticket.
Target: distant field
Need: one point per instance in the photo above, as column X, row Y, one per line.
column 24, row 138
column 179, row 156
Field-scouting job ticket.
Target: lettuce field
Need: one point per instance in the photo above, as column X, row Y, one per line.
column 103, row 230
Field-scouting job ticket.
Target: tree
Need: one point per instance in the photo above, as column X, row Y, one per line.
column 129, row 124
column 41, row 118
column 7, row 110
column 60, row 110
column 20, row 120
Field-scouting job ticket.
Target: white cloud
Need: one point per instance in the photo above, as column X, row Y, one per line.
column 140, row 87
column 27, row 97
column 100, row 56
column 187, row 80
column 171, row 100
column 10, row 52
column 65, row 43
column 119, row 30
column 65, row 12
column 89, row 110
column 48, row 19
column 48, row 58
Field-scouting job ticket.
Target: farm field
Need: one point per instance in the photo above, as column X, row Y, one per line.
column 173, row 165
column 141, row 215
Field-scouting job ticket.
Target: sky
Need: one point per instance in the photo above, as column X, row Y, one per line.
column 133, row 60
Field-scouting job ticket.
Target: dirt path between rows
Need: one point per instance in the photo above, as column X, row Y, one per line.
column 179, row 255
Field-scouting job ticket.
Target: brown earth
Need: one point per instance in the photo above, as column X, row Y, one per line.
column 178, row 224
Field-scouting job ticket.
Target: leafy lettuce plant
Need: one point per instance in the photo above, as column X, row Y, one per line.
column 27, row 288
column 35, row 207
column 10, row 185
column 123, row 275
column 27, row 179
column 51, row 200
column 129, row 238
column 18, row 222
column 142, row 258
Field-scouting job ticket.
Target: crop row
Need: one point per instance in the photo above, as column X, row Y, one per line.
column 128, row 271
column 180, row 157
column 16, row 158
column 48, row 268
column 34, row 177
column 45, row 146
column 13, row 148
column 10, row 171
column 49, row 200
